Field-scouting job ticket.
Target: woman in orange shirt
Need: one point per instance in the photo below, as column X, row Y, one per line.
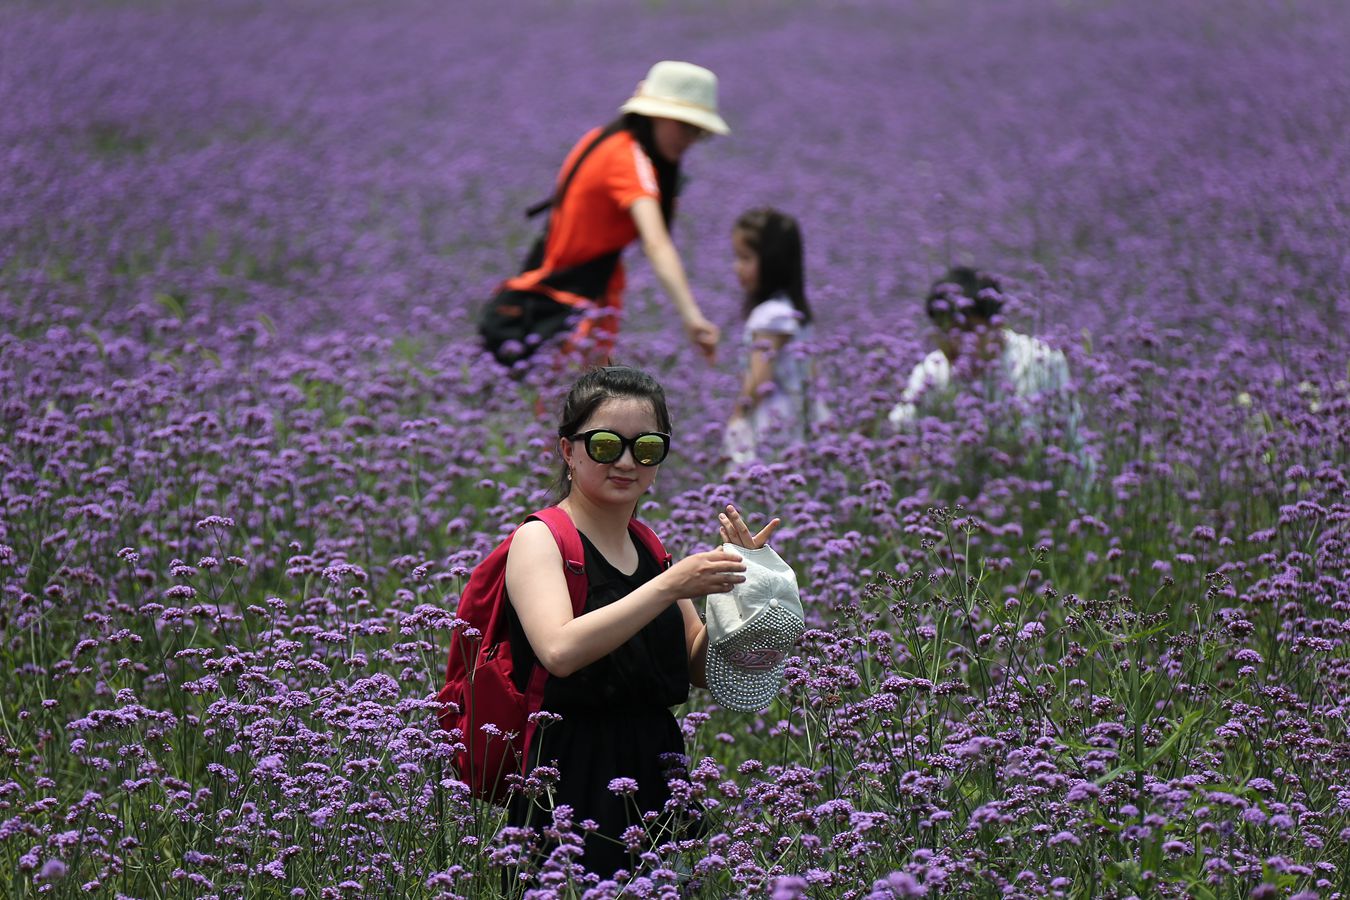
column 623, row 189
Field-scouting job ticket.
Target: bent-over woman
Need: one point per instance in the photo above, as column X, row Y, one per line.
column 624, row 188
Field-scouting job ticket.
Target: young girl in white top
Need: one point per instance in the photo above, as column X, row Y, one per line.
column 774, row 406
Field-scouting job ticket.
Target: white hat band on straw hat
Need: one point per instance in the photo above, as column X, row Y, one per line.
column 752, row 630
column 681, row 91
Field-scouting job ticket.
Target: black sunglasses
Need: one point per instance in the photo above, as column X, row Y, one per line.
column 605, row 446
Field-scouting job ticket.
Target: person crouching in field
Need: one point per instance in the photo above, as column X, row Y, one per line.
column 977, row 353
column 616, row 669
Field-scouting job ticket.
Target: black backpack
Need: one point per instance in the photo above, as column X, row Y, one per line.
column 515, row 323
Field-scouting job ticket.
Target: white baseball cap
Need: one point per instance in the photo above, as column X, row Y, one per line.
column 751, row 631
column 681, row 91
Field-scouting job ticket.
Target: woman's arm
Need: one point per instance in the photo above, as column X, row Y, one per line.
column 665, row 260
column 538, row 590
column 696, row 643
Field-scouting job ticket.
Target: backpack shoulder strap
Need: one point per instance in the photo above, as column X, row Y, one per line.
column 568, row 539
column 556, row 199
column 648, row 539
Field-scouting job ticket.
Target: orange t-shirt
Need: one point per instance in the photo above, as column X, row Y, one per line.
column 594, row 218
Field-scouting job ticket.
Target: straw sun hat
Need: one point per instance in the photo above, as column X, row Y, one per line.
column 681, row 91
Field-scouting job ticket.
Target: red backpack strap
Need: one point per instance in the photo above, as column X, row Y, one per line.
column 568, row 539
column 648, row 539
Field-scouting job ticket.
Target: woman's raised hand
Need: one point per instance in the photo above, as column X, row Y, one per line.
column 710, row 572
column 733, row 530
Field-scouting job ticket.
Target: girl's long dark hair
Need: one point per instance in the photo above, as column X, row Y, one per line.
column 667, row 172
column 599, row 385
column 776, row 239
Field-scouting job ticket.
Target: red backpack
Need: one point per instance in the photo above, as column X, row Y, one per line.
column 481, row 700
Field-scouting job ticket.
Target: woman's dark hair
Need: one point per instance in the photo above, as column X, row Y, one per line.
column 776, row 239
column 600, row 385
column 962, row 294
column 667, row 172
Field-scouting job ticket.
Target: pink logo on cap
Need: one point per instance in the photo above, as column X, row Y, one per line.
column 755, row 660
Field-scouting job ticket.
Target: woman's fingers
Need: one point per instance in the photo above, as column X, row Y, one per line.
column 725, row 571
column 734, row 526
column 727, row 561
column 709, row 572
column 735, row 531
column 763, row 537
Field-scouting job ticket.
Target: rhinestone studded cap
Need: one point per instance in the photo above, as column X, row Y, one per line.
column 752, row 630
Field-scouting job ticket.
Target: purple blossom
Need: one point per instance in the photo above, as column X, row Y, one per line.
column 624, row 786
column 897, row 884
column 789, row 887
column 53, row 870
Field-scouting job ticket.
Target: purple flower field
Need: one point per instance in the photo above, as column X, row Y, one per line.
column 249, row 448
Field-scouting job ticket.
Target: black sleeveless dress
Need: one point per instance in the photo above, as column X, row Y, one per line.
column 616, row 720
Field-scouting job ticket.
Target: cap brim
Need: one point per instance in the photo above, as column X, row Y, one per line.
column 664, row 109
column 736, row 688
column 750, row 688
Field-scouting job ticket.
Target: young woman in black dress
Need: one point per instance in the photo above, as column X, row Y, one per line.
column 615, row 670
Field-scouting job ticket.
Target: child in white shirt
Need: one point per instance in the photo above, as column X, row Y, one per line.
column 976, row 351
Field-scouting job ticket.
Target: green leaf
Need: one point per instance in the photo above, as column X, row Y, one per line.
column 1198, row 889
column 1134, row 636
column 89, row 332
column 172, row 304
column 1187, row 723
